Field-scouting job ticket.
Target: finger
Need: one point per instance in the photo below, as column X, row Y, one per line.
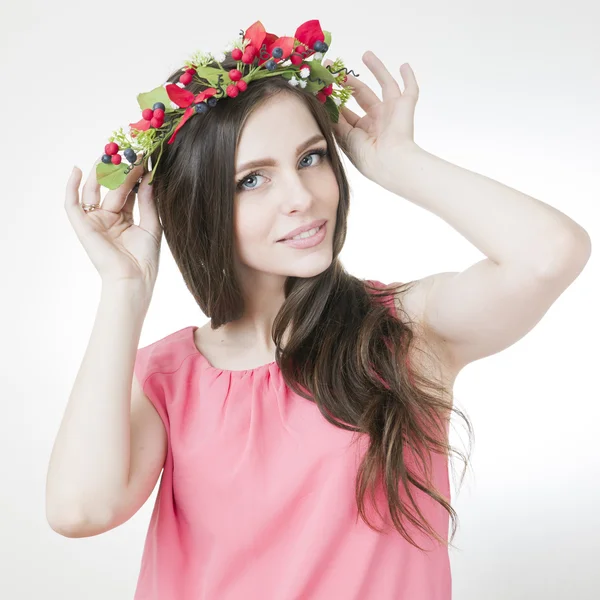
column 350, row 117
column 149, row 219
column 130, row 202
column 114, row 201
column 389, row 86
column 74, row 211
column 90, row 194
column 364, row 95
column 342, row 128
column 411, row 87
column 132, row 196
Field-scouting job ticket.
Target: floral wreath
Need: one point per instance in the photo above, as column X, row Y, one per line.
column 258, row 54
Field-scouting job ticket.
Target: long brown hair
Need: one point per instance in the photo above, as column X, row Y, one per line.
column 346, row 351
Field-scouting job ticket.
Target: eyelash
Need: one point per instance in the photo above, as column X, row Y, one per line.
column 322, row 152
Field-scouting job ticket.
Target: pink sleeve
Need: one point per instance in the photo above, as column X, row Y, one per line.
column 389, row 300
column 149, row 379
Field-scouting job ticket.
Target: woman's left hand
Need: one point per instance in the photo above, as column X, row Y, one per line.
column 375, row 142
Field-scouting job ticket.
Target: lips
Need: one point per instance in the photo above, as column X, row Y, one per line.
column 312, row 225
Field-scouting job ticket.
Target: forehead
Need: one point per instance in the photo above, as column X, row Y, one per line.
column 280, row 123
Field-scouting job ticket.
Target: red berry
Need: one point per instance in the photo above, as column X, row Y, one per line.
column 242, row 85
column 247, row 58
column 116, row 159
column 159, row 113
column 186, row 78
column 296, row 59
column 155, row 122
column 300, row 49
column 191, row 71
column 235, row 75
column 111, row 148
column 232, row 90
column 147, row 113
column 236, row 54
column 345, row 79
column 321, row 97
column 328, row 90
column 251, row 51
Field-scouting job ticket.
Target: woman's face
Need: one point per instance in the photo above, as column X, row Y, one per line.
column 294, row 189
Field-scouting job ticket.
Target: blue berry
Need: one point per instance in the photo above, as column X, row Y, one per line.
column 107, row 159
column 320, row 46
column 277, row 52
column 201, row 108
column 130, row 155
column 158, row 105
column 212, row 102
column 271, row 65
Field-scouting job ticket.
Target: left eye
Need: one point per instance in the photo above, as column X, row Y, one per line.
column 240, row 183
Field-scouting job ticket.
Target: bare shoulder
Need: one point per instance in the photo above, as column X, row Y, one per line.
column 430, row 351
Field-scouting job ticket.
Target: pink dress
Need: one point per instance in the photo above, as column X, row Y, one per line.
column 256, row 499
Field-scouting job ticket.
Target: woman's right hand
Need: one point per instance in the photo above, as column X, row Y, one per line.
column 119, row 249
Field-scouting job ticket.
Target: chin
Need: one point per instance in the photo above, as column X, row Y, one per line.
column 310, row 266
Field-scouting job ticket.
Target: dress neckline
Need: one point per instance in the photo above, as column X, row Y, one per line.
column 218, row 369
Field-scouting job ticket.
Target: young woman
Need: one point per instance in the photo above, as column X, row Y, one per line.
column 302, row 433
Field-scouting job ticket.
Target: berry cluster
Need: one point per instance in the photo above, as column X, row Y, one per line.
column 248, row 57
column 326, row 91
column 156, row 116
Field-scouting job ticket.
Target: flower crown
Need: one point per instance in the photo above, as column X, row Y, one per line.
column 258, row 54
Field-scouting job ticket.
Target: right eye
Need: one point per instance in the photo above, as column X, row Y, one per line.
column 240, row 183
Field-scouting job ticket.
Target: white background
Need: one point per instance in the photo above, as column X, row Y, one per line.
column 510, row 90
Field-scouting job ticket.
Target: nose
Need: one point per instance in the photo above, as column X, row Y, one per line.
column 300, row 195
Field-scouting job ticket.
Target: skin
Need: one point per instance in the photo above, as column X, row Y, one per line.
column 299, row 190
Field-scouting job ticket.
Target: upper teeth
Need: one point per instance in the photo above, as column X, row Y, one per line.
column 306, row 234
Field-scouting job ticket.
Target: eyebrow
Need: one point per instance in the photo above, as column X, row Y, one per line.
column 271, row 162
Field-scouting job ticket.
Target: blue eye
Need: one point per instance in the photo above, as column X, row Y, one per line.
column 322, row 152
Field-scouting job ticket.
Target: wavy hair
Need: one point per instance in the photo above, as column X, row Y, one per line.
column 346, row 351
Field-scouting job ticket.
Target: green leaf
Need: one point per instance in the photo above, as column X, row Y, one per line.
column 209, row 73
column 148, row 99
column 318, row 70
column 263, row 73
column 332, row 109
column 111, row 176
column 210, row 76
column 327, row 39
column 312, row 86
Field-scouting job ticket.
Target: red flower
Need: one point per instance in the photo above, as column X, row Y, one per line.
column 255, row 34
column 140, row 125
column 285, row 43
column 307, row 33
column 185, row 98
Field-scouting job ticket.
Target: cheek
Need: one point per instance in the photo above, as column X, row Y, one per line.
column 333, row 190
column 250, row 226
